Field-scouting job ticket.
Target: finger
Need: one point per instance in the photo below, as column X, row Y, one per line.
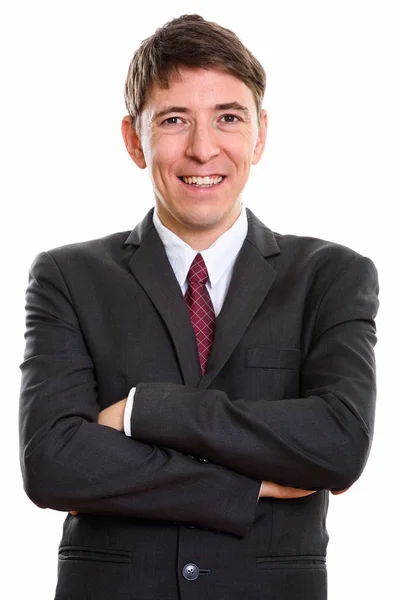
column 289, row 493
column 273, row 490
column 337, row 492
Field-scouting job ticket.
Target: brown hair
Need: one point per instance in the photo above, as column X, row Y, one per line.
column 189, row 41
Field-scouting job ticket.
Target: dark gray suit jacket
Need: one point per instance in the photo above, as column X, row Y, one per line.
column 288, row 396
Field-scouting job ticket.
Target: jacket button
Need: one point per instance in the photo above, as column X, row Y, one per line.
column 190, row 572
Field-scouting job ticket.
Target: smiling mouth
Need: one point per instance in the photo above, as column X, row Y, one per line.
column 203, row 182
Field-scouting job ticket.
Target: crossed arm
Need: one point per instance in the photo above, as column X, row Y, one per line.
column 113, row 416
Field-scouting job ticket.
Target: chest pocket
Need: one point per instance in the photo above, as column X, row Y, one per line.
column 264, row 357
column 272, row 374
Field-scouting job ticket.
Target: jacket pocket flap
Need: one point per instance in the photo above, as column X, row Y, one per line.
column 268, row 358
column 290, row 562
column 94, row 554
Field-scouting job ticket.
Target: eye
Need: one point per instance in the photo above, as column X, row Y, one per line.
column 172, row 121
column 230, row 119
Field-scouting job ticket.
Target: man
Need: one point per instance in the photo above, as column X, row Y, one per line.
column 193, row 389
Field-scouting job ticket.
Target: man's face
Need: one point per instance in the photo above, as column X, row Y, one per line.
column 199, row 138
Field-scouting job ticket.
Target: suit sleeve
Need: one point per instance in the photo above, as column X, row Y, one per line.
column 69, row 462
column 319, row 440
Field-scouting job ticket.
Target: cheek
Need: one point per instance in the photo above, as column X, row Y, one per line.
column 165, row 157
column 241, row 152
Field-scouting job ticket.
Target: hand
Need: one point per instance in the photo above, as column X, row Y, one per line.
column 273, row 490
column 113, row 416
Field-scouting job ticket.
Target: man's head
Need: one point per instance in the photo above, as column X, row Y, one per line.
column 194, row 94
column 189, row 42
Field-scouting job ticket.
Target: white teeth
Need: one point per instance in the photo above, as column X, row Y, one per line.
column 207, row 181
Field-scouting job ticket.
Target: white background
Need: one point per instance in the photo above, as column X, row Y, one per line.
column 330, row 170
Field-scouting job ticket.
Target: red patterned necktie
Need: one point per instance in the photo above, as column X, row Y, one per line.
column 200, row 309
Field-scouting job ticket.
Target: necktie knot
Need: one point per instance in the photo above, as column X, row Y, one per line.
column 198, row 271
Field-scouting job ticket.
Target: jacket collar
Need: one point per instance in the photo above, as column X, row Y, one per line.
column 258, row 234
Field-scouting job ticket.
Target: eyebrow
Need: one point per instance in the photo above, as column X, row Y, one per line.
column 217, row 107
column 170, row 109
column 233, row 106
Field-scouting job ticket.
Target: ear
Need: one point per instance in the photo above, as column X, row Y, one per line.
column 261, row 138
column 132, row 142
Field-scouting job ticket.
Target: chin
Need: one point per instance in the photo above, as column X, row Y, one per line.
column 203, row 220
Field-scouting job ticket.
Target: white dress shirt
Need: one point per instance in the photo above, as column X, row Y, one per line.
column 219, row 258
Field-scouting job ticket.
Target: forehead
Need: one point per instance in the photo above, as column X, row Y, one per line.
column 200, row 88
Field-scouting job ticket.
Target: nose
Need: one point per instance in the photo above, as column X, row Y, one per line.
column 202, row 143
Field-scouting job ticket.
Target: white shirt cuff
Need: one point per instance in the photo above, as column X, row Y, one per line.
column 259, row 492
column 128, row 412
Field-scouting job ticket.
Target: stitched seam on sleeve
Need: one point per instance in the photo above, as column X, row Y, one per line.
column 68, row 293
column 343, row 270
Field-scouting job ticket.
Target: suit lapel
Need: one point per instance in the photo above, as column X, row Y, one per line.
column 251, row 281
column 152, row 269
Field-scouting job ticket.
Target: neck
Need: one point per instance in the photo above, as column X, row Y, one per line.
column 200, row 241
column 196, row 237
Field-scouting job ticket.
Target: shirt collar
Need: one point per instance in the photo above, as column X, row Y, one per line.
column 218, row 257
